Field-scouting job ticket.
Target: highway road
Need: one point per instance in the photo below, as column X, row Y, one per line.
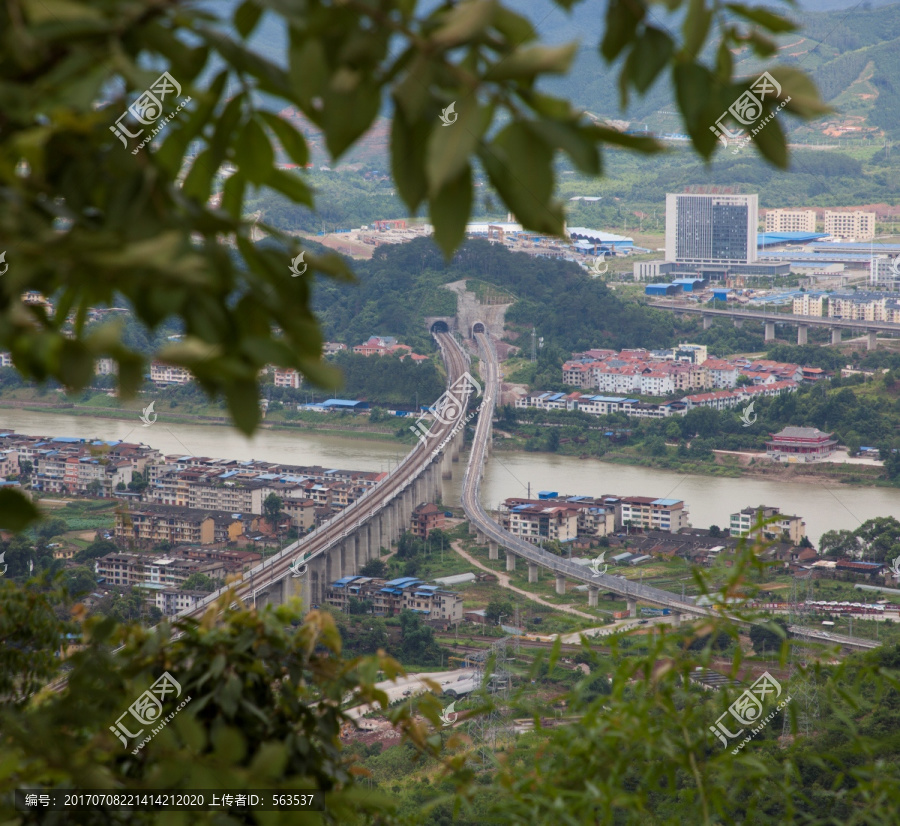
column 531, row 553
column 780, row 318
column 341, row 525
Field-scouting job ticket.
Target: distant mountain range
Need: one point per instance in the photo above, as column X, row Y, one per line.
column 851, row 51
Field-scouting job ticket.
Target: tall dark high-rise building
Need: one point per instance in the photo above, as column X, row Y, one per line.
column 711, row 229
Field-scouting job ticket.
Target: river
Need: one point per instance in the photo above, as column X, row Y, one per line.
column 709, row 499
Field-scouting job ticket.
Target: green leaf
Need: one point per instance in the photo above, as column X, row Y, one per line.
column 198, row 182
column 464, row 23
column 693, row 83
column 768, row 20
column 638, row 143
column 290, row 139
column 450, row 146
column 650, row 55
column 771, row 143
column 16, row 511
column 622, row 19
column 290, row 184
column 409, row 144
column 579, row 143
column 58, row 11
column 532, row 61
column 233, row 195
column 805, row 101
column 450, row 210
column 520, row 165
column 183, row 130
column 242, row 396
column 246, row 16
column 516, row 28
column 349, row 106
column 254, row 153
column 308, row 70
column 724, row 62
column 696, row 27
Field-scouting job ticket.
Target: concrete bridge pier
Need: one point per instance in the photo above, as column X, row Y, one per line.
column 446, row 465
column 332, row 567
column 482, row 539
column 770, row 331
column 472, row 529
column 739, row 322
column 707, row 322
column 676, row 617
column 835, row 335
column 346, row 557
column 632, row 607
column 377, row 535
column 510, row 561
column 871, row 339
column 802, row 332
column 532, row 572
column 316, row 577
column 493, row 550
column 560, row 584
column 593, row 594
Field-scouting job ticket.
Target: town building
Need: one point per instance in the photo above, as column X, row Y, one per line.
column 152, row 525
column 172, row 601
column 152, row 570
column 651, row 514
column 790, row 220
column 540, row 522
column 390, row 598
column 800, row 444
column 778, row 523
column 166, row 374
column 595, row 516
column 711, row 229
column 287, row 377
column 425, row 518
column 853, row 225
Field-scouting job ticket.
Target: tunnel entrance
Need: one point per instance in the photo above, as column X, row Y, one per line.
column 440, row 327
column 477, row 327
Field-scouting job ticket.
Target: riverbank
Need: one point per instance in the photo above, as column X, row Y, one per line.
column 344, row 429
column 723, row 464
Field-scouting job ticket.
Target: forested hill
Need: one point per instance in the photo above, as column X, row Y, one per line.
column 402, row 284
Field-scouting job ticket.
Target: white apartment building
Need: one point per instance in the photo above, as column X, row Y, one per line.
column 654, row 514
column 722, row 374
column 857, row 225
column 286, row 377
column 810, row 305
column 536, row 523
column 168, row 374
column 790, row 220
column 740, row 524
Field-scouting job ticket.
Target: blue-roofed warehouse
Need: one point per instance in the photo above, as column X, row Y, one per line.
column 662, row 290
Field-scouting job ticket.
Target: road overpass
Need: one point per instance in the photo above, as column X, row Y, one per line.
column 489, row 532
column 343, row 544
column 803, row 322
